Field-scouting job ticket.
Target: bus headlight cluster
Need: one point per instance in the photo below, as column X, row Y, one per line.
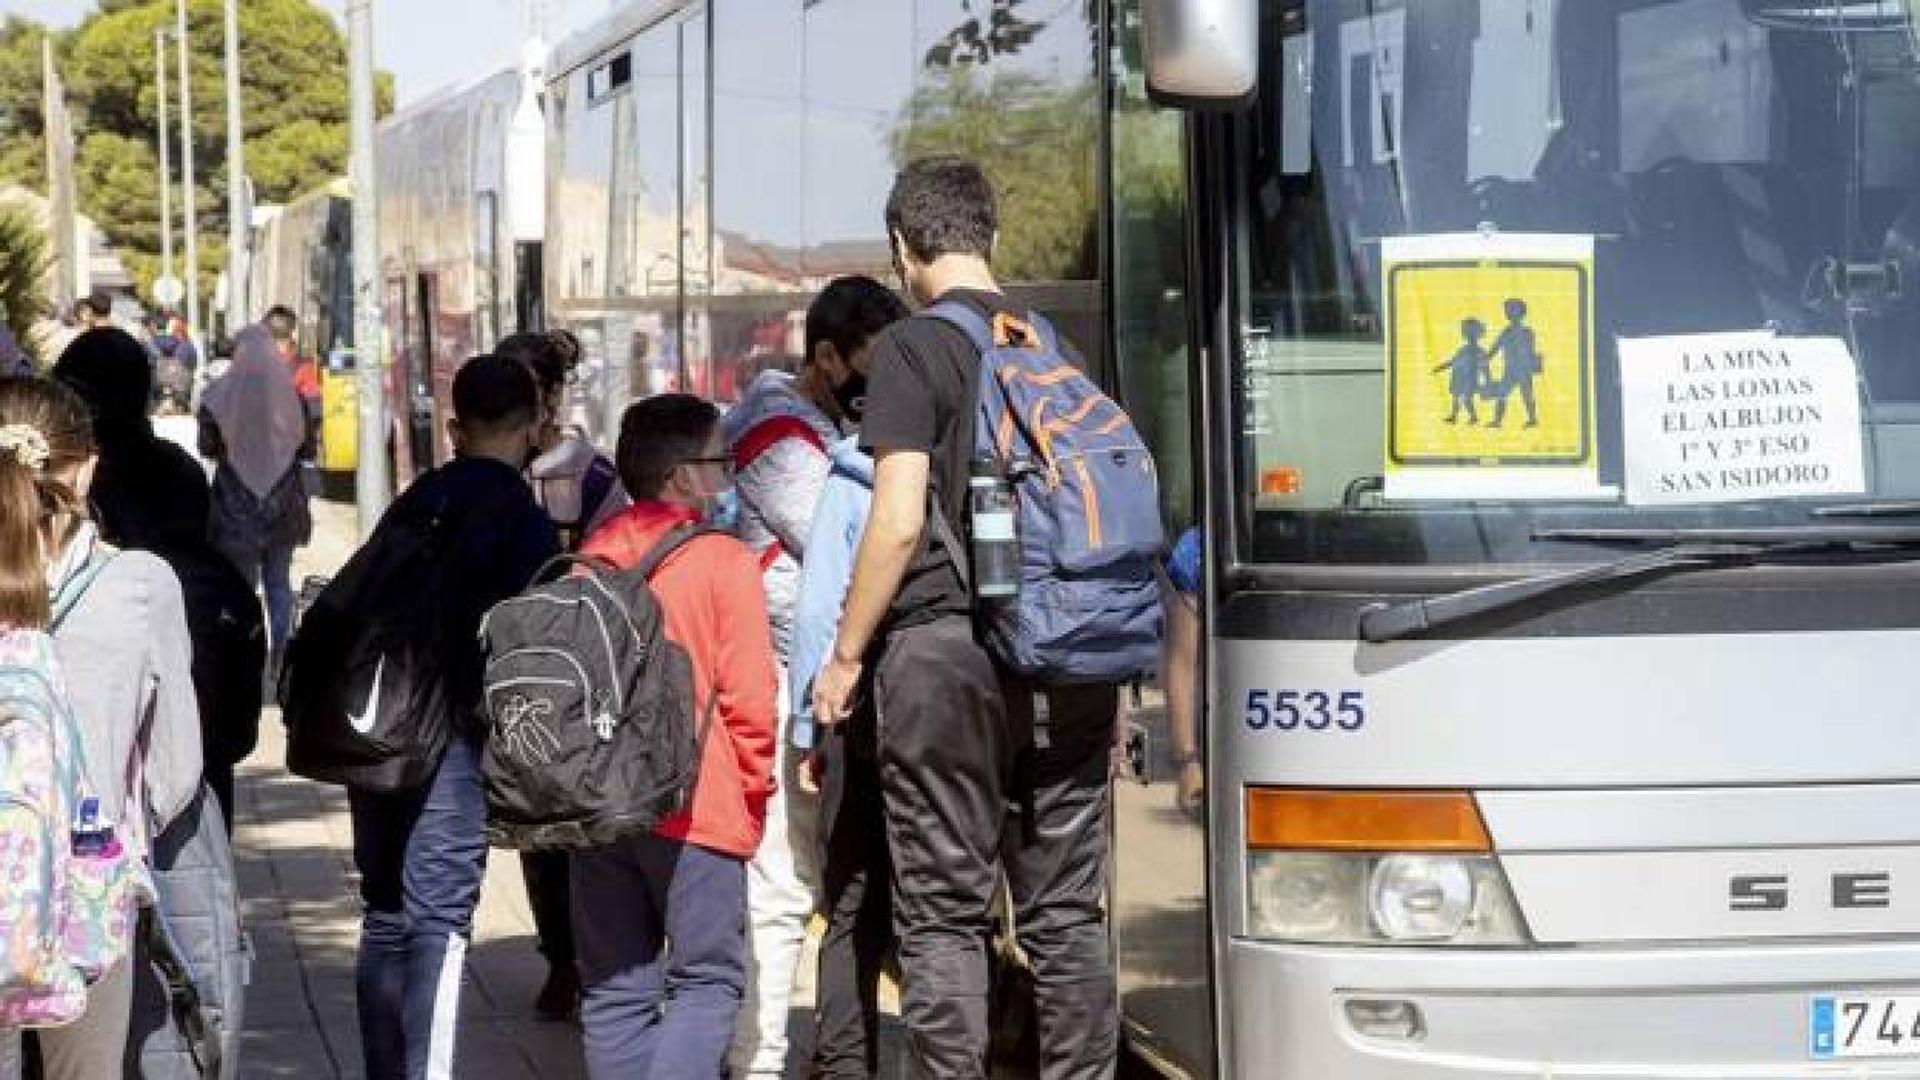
column 1342, row 898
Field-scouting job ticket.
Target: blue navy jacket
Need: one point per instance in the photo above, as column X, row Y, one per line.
column 832, row 543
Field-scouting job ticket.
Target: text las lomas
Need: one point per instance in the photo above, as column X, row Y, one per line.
column 1733, row 417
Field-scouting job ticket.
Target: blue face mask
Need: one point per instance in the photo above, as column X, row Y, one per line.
column 725, row 512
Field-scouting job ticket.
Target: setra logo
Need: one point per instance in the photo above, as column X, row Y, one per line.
column 1774, row 892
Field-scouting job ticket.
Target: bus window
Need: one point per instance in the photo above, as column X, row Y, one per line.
column 1730, row 175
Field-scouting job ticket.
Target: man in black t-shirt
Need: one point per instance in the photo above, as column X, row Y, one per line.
column 960, row 738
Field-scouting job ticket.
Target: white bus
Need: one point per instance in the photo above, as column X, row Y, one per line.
column 1557, row 393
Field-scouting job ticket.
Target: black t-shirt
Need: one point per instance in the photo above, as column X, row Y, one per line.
column 922, row 387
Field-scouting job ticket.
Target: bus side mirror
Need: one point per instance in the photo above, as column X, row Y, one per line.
column 1201, row 54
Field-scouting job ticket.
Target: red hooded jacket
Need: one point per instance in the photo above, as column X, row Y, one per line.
column 714, row 606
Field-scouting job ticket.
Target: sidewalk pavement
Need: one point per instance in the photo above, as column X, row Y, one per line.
column 294, row 855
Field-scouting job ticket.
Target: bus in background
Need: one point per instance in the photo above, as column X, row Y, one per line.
column 715, row 163
column 302, row 258
column 461, row 223
column 1558, row 404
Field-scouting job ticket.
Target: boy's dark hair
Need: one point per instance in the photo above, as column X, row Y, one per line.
column 543, row 355
column 492, row 393
column 943, row 206
column 848, row 312
column 659, row 433
column 280, row 317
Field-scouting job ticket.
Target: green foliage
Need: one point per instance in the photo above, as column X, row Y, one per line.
column 23, row 158
column 997, row 28
column 23, row 272
column 1036, row 141
column 284, row 162
column 293, row 71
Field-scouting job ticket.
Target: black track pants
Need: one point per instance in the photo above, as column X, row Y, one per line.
column 980, row 774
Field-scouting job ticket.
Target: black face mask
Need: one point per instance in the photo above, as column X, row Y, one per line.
column 852, row 396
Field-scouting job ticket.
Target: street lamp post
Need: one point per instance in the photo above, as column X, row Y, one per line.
column 192, row 225
column 370, row 478
column 166, row 166
column 237, row 201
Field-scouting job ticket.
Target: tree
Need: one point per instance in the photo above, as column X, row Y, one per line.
column 294, row 102
column 23, row 272
column 996, row 28
column 23, row 157
column 1036, row 141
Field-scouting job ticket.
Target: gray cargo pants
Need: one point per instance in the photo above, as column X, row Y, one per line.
column 979, row 773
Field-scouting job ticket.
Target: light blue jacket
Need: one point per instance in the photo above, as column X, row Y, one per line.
column 838, row 522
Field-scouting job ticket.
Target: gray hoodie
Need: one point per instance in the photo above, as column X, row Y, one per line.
column 128, row 664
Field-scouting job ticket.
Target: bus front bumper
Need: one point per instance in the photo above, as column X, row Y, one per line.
column 1740, row 1012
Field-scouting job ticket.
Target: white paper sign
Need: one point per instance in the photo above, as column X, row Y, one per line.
column 1736, row 417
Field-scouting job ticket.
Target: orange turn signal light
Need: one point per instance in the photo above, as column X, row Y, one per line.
column 1307, row 819
column 1282, row 480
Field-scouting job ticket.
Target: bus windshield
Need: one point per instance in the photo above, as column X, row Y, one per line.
column 1507, row 265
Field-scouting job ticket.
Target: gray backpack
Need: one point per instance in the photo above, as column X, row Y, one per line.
column 193, row 962
column 592, row 729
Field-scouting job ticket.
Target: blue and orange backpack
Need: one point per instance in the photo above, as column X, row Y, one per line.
column 1087, row 511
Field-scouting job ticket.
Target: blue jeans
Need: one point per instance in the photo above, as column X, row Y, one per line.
column 269, row 567
column 421, row 856
column 645, row 1015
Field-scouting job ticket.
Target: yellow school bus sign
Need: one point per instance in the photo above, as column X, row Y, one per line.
column 1490, row 367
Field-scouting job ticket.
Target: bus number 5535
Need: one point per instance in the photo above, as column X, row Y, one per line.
column 1314, row 710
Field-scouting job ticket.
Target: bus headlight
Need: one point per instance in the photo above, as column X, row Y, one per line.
column 1328, row 898
column 1359, row 867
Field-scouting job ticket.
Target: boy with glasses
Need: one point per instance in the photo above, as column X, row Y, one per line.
column 647, row 1010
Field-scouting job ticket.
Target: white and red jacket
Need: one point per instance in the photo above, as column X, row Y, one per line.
column 779, row 440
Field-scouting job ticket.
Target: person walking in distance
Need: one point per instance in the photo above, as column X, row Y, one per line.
column 650, row 1010
column 958, row 739
column 422, row 852
column 254, row 425
column 779, row 435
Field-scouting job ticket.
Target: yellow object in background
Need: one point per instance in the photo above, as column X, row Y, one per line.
column 339, row 420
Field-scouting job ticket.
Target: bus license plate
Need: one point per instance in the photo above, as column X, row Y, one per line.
column 1865, row 1026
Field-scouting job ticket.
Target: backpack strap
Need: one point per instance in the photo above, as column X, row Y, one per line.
column 570, row 560
column 944, row 535
column 965, row 319
column 676, row 537
column 77, row 586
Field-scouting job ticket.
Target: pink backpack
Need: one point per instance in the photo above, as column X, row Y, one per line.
column 68, row 885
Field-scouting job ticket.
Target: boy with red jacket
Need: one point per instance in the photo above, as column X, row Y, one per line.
column 673, row 1016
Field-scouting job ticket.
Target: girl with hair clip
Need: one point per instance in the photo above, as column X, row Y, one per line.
column 120, row 635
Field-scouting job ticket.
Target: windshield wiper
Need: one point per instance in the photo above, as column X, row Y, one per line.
column 1686, row 549
column 1870, row 510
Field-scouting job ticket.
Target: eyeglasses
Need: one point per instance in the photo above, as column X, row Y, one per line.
column 725, row 461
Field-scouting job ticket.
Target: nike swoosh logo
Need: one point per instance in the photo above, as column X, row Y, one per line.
column 363, row 723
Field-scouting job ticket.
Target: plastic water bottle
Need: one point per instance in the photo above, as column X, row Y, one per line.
column 93, row 838
column 996, row 539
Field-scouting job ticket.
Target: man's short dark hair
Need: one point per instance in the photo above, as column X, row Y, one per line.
column 848, row 312
column 543, row 355
column 492, row 393
column 943, row 206
column 659, row 433
column 281, row 317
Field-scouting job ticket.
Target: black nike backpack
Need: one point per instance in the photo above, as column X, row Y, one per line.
column 590, row 708
column 365, row 688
